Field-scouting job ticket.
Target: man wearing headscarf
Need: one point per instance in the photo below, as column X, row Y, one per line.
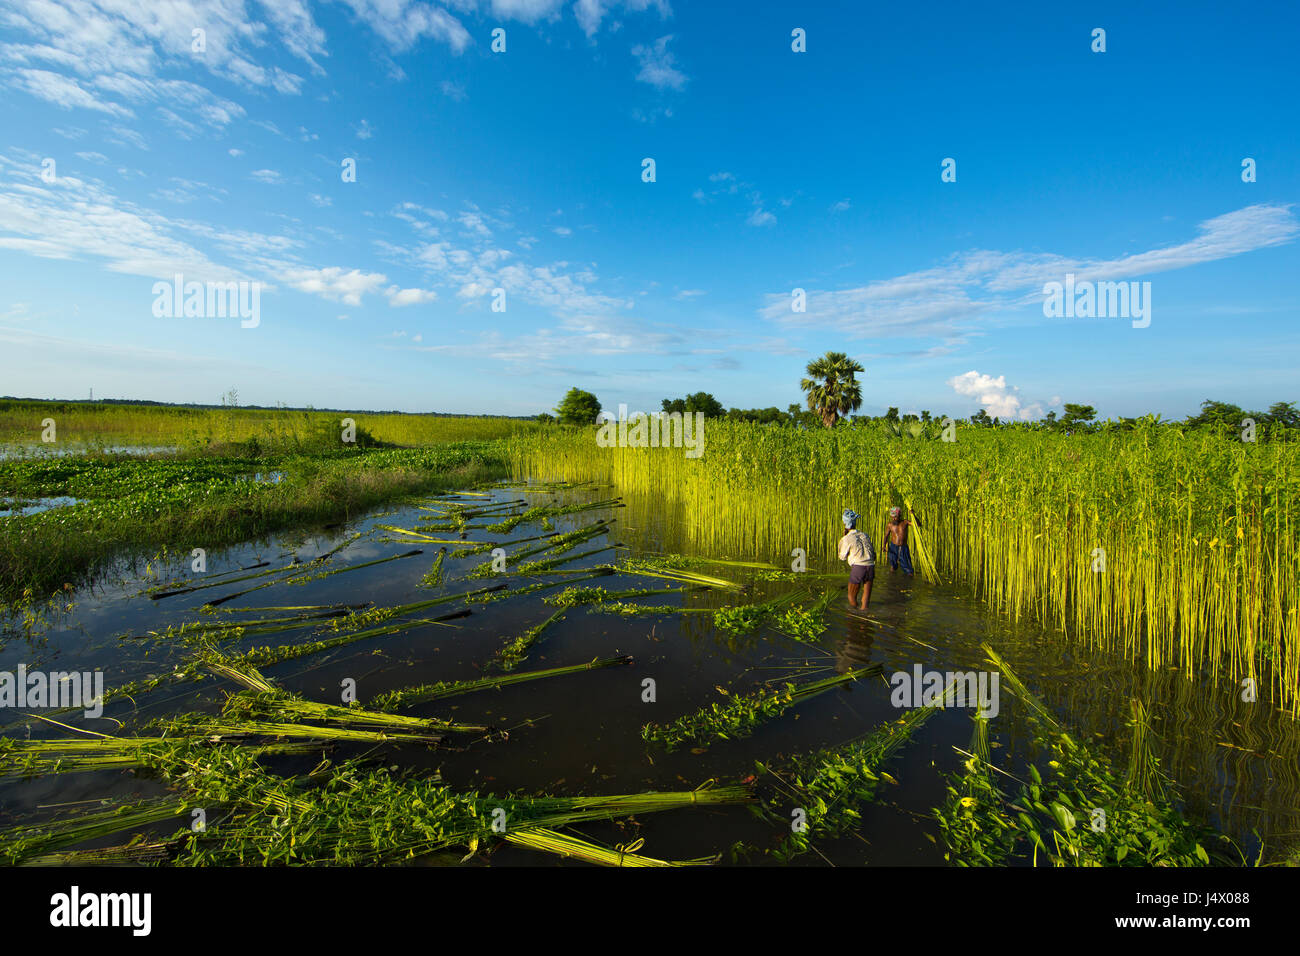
column 856, row 548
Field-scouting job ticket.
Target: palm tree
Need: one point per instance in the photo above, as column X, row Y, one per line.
column 832, row 389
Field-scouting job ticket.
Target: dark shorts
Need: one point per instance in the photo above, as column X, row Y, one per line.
column 859, row 573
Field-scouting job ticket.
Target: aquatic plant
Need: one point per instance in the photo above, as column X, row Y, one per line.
column 740, row 714
column 406, row 696
column 265, row 701
column 516, row 652
column 830, row 785
column 743, row 619
column 1084, row 812
column 803, row 622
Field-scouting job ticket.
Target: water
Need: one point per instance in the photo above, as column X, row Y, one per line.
column 17, row 507
column 60, row 449
column 580, row 734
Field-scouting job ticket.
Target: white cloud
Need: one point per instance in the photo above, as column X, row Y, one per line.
column 943, row 301
column 658, row 65
column 840, row 206
column 529, row 11
column 75, row 219
column 235, row 152
column 269, row 176
column 993, row 395
column 590, row 13
column 455, row 91
column 123, row 48
column 474, row 223
column 63, row 91
column 124, row 136
column 335, row 284
column 296, row 30
column 609, row 336
column 475, row 269
column 403, row 23
column 399, row 297
column 365, row 130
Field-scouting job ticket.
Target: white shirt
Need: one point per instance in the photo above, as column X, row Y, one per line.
column 856, row 548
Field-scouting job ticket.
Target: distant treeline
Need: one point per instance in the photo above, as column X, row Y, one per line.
column 200, row 406
column 1281, row 420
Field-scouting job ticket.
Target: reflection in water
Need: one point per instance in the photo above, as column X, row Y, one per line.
column 853, row 651
column 1237, row 764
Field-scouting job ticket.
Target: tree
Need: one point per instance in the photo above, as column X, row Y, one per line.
column 982, row 418
column 1076, row 415
column 1285, row 414
column 801, row 418
column 706, row 403
column 832, row 387
column 925, row 415
column 545, row 418
column 763, row 416
column 1223, row 418
column 578, row 408
column 892, row 414
column 697, row 402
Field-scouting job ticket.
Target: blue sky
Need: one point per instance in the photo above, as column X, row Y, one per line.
column 775, row 170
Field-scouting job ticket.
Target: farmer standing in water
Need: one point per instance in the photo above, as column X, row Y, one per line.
column 857, row 549
column 896, row 546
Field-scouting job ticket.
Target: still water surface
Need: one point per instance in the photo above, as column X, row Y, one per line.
column 1236, row 763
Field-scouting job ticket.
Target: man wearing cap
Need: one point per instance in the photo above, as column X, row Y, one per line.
column 857, row 549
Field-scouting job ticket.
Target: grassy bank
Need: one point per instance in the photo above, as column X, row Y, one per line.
column 91, row 424
column 1176, row 549
column 133, row 506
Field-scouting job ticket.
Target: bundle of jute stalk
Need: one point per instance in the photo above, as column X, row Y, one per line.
column 1174, row 548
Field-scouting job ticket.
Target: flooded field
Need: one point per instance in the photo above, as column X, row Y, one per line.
column 582, row 733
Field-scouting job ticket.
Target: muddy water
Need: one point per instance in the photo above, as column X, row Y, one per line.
column 580, row 734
